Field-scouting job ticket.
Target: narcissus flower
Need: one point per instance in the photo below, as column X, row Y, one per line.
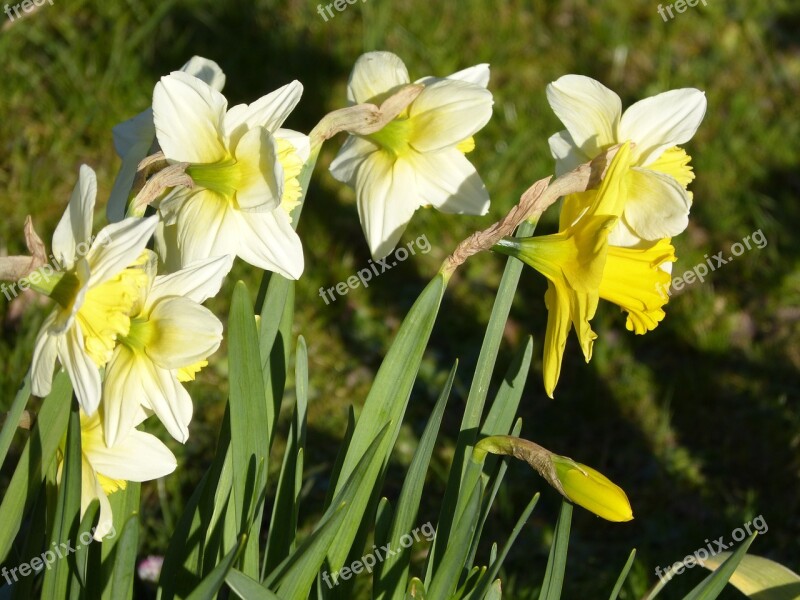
column 170, row 337
column 139, row 457
column 592, row 490
column 576, row 482
column 581, row 267
column 135, row 138
column 245, row 170
column 418, row 158
column 95, row 286
column 658, row 203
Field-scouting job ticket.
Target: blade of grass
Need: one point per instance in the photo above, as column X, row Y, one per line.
column 57, row 582
column 712, row 586
column 392, row 574
column 557, row 561
column 38, row 454
column 11, row 424
column 213, row 582
column 623, row 576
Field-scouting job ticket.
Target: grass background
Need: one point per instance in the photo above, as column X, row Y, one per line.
column 698, row 421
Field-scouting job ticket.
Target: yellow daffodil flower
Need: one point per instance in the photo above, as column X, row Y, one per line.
column 245, row 170
column 418, row 159
column 170, row 337
column 581, row 267
column 658, row 203
column 95, row 283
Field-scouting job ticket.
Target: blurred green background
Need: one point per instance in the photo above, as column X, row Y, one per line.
column 698, row 421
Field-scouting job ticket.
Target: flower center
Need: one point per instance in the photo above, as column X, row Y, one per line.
column 394, row 137
column 223, row 177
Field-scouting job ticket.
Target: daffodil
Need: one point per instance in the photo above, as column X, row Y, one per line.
column 104, row 470
column 658, row 203
column 592, row 490
column 418, row 159
column 581, row 267
column 578, row 483
column 245, row 170
column 135, row 138
column 95, row 286
column 170, row 337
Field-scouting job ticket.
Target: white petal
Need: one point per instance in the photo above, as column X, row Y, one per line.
column 624, row 237
column 45, row 353
column 588, row 109
column 124, row 389
column 186, row 333
column 479, row 75
column 132, row 139
column 269, row 111
column 267, row 241
column 188, row 116
column 300, row 141
column 448, row 181
column 75, row 226
column 387, row 197
column 657, row 206
column 261, row 186
column 353, row 152
column 568, row 156
column 662, row 121
column 139, row 457
column 205, row 70
column 171, row 404
column 166, row 244
column 374, row 75
column 206, row 227
column 82, row 371
column 117, row 246
column 447, row 113
column 198, row 281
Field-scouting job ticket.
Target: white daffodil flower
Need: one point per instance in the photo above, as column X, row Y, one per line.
column 104, row 470
column 658, row 203
column 95, row 283
column 245, row 172
column 134, row 138
column 170, row 337
column 418, row 158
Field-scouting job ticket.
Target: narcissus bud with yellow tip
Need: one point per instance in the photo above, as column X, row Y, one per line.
column 592, row 490
column 578, row 483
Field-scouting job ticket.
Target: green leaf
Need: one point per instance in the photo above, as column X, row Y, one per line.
column 760, row 578
column 497, row 562
column 118, row 550
column 445, row 578
column 557, row 561
column 386, row 404
column 81, row 554
column 416, row 590
column 212, row 583
column 391, row 576
column 248, row 588
column 38, row 454
column 623, row 576
column 68, row 509
column 283, row 524
column 22, row 587
column 473, row 410
column 712, row 586
column 297, row 573
column 495, row 592
column 125, row 559
column 248, row 414
column 11, row 423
